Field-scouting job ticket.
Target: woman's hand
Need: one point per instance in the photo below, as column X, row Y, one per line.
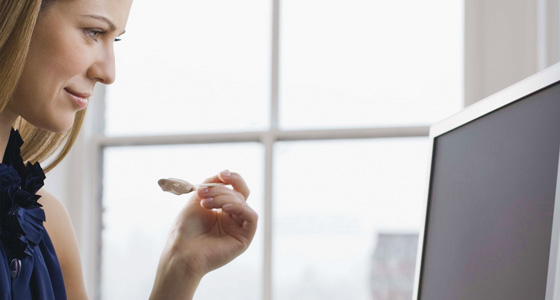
column 213, row 228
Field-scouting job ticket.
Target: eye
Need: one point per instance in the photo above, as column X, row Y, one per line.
column 94, row 33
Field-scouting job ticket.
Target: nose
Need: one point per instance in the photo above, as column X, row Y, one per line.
column 103, row 68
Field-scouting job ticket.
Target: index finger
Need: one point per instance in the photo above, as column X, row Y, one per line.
column 236, row 181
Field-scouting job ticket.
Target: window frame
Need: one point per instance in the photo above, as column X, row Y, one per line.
column 267, row 138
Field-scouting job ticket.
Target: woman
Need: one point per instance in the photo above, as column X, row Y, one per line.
column 52, row 53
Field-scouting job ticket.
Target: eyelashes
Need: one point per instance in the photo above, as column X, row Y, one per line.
column 94, row 34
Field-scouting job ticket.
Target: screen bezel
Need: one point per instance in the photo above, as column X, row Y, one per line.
column 516, row 92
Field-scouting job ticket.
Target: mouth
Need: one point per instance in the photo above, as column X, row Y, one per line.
column 81, row 99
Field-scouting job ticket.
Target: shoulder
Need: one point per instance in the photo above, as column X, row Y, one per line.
column 58, row 224
column 59, row 227
column 57, row 218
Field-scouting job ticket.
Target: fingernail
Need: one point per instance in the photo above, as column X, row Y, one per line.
column 225, row 173
column 207, row 201
column 203, row 190
column 227, row 206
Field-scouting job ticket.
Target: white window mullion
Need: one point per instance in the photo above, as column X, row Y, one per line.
column 257, row 136
column 268, row 140
column 96, row 203
column 274, row 84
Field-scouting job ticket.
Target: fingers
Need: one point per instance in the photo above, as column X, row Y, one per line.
column 217, row 197
column 244, row 215
column 232, row 202
column 240, row 212
column 213, row 191
column 236, row 181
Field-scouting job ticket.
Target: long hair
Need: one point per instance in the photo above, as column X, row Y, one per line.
column 17, row 21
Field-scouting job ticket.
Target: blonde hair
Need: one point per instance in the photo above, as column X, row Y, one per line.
column 17, row 21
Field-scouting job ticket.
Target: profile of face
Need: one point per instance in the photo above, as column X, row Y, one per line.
column 71, row 50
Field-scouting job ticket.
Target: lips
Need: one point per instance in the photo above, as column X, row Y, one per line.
column 81, row 99
column 78, row 94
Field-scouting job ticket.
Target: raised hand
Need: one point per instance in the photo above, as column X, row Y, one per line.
column 214, row 227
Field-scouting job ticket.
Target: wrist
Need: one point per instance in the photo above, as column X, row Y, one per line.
column 175, row 280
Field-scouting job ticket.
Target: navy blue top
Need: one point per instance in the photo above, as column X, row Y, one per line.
column 29, row 268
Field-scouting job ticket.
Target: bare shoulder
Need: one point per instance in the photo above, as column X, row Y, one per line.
column 59, row 227
column 58, row 221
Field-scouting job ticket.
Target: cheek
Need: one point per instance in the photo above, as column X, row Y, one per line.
column 64, row 59
column 53, row 62
column 60, row 55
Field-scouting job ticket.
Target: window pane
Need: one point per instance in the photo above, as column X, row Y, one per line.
column 192, row 66
column 137, row 216
column 354, row 63
column 346, row 217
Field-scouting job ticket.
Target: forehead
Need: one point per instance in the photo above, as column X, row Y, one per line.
column 115, row 10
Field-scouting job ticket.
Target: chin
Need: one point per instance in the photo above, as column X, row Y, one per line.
column 52, row 120
column 62, row 129
column 60, row 125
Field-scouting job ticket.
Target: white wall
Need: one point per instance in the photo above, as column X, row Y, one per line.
column 507, row 41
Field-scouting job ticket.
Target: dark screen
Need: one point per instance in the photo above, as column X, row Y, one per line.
column 491, row 203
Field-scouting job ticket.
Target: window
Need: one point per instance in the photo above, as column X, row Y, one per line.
column 138, row 215
column 323, row 106
column 363, row 63
column 204, row 65
column 328, row 220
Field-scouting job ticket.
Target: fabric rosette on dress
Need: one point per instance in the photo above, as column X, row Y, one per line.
column 21, row 216
column 29, row 266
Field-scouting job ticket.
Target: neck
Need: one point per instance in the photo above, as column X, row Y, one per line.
column 7, row 120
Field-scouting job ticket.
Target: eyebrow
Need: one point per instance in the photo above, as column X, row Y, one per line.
column 102, row 18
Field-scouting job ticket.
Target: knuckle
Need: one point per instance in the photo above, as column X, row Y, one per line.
column 237, row 177
column 240, row 196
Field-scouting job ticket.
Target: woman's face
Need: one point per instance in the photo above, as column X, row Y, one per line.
column 70, row 51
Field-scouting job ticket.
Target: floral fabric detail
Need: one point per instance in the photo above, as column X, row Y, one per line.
column 21, row 216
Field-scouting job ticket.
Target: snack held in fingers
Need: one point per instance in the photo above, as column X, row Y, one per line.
column 179, row 186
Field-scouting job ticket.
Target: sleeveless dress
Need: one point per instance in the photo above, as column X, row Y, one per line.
column 29, row 267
